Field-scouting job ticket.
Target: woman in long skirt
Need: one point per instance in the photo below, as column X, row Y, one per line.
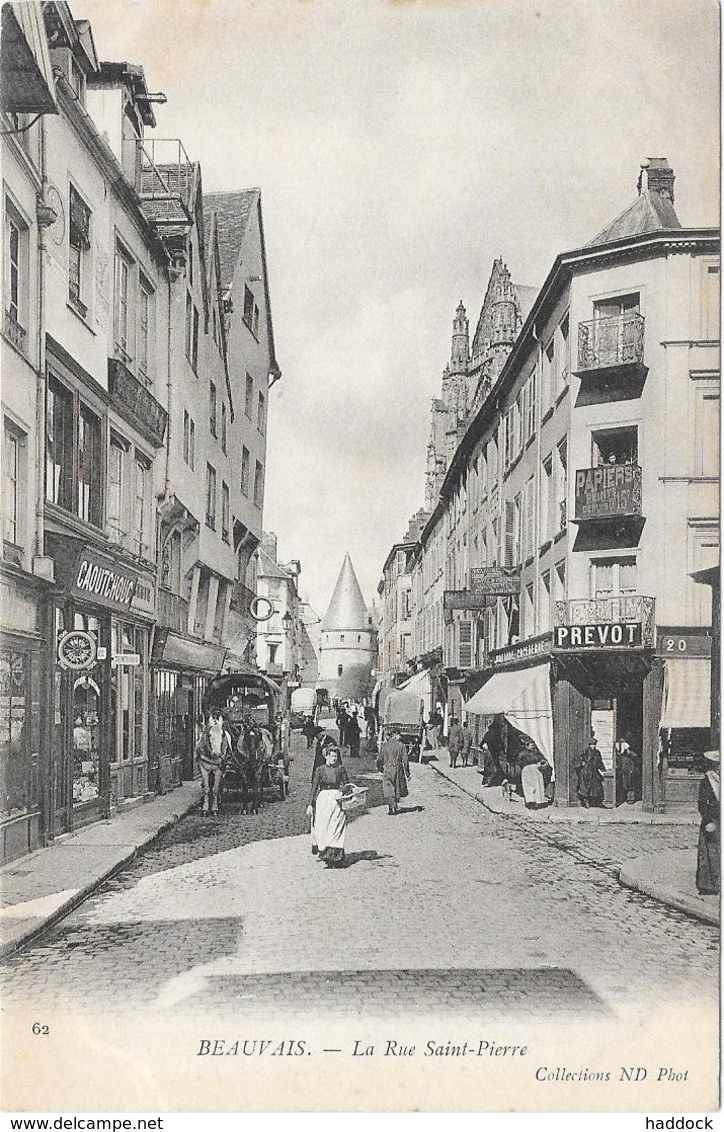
column 708, row 863
column 329, row 821
column 531, row 777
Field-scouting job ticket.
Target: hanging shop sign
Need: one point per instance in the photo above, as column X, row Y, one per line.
column 101, row 580
column 77, row 650
column 125, row 660
column 463, row 599
column 261, row 609
column 616, row 636
column 495, row 581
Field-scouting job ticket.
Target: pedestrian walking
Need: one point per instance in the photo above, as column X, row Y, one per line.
column 454, row 741
column 628, row 763
column 309, row 731
column 466, row 743
column 434, row 728
column 324, row 741
column 329, row 821
column 352, row 735
column 589, row 771
column 342, row 721
column 212, row 751
column 708, row 862
column 531, row 761
column 393, row 763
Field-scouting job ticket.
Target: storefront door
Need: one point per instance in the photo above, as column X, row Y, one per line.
column 79, row 746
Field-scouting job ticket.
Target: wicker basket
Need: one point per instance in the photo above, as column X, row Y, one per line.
column 355, row 800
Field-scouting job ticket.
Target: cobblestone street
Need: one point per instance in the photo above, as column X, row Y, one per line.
column 445, row 906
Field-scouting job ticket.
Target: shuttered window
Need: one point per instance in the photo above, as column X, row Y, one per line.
column 465, row 644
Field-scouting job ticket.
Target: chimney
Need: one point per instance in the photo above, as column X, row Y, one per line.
column 660, row 177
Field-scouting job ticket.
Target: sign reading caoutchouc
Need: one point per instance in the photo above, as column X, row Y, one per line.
column 100, row 580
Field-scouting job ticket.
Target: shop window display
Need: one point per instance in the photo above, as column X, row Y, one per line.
column 14, row 768
column 86, row 752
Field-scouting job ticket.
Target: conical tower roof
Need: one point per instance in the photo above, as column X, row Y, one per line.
column 347, row 609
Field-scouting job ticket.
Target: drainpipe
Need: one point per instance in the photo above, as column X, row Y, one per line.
column 40, row 414
column 537, row 478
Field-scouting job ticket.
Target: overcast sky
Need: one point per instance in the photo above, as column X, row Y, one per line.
column 400, row 147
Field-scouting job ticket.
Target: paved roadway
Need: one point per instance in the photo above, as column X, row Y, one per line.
column 444, row 906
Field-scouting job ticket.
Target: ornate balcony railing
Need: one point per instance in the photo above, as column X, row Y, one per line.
column 605, row 622
column 608, row 491
column 173, row 611
column 14, row 332
column 606, row 343
column 135, row 401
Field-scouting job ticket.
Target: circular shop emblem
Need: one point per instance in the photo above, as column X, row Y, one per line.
column 77, row 649
column 261, row 609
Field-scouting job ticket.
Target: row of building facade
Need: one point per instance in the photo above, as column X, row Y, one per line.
column 137, row 358
column 565, row 557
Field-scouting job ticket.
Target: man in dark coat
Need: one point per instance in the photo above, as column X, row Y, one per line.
column 708, row 864
column 392, row 762
column 352, row 735
column 590, row 771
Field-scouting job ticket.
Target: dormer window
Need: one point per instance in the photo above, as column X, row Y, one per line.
column 77, row 80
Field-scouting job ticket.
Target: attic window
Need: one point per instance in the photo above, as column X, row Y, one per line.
column 251, row 312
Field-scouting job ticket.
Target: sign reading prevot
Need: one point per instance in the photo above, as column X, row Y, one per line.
column 619, row 635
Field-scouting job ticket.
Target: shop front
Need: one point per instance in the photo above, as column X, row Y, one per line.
column 608, row 683
column 99, row 669
column 23, row 684
column 686, row 717
column 181, row 669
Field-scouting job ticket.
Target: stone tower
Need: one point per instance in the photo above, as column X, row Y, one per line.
column 347, row 651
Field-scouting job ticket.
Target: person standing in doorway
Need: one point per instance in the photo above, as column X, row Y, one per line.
column 590, row 770
column 628, row 763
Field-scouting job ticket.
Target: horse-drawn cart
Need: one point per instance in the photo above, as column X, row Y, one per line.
column 403, row 711
column 257, row 765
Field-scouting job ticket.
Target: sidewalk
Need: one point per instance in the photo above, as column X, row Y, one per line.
column 468, row 779
column 38, row 889
column 667, row 876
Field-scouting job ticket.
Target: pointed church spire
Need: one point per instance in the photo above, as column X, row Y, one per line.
column 460, row 338
column 347, row 609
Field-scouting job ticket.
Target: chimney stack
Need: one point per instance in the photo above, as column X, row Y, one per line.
column 660, row 177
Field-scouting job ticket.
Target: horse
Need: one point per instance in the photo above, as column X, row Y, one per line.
column 250, row 764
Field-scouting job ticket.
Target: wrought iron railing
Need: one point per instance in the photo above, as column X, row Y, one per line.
column 607, row 342
column 621, row 608
column 14, row 332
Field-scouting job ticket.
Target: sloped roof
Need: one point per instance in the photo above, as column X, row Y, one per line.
column 650, row 212
column 232, row 213
column 526, row 298
column 268, row 568
column 347, row 609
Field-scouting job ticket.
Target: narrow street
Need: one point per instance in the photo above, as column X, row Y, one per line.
column 446, row 906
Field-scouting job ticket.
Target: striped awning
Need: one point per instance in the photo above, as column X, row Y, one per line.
column 687, row 692
column 523, row 696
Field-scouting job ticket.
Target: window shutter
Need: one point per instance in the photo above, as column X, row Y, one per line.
column 465, row 644
column 509, row 532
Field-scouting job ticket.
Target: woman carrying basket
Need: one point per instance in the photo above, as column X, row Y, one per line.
column 329, row 821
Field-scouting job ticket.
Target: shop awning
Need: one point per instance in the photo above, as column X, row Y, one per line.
column 687, row 692
column 419, row 683
column 524, row 698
